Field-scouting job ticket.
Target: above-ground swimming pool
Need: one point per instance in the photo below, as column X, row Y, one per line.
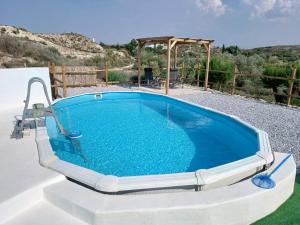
column 136, row 141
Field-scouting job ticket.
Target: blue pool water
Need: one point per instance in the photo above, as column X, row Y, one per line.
column 132, row 134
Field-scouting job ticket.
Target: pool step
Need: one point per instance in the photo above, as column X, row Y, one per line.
column 73, row 199
column 44, row 213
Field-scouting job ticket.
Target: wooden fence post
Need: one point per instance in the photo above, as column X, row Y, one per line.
column 198, row 74
column 55, row 82
column 106, row 74
column 235, row 71
column 291, row 85
column 182, row 74
column 63, row 75
column 51, row 80
column 182, row 70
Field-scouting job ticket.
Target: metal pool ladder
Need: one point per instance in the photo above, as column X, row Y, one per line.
column 26, row 111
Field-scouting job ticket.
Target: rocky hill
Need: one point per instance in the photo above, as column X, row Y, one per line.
column 19, row 46
column 286, row 53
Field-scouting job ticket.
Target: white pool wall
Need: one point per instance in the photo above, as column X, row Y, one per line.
column 203, row 178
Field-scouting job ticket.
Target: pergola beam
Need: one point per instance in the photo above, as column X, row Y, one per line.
column 165, row 39
column 172, row 44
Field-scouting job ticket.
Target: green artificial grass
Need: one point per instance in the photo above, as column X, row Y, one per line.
column 288, row 213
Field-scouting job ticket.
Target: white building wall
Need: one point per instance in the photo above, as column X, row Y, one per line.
column 13, row 86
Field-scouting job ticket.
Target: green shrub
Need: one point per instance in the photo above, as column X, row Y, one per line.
column 12, row 45
column 297, row 82
column 234, row 50
column 296, row 101
column 28, row 53
column 16, row 31
column 221, row 70
column 113, row 59
column 20, row 47
column 23, row 29
column 114, row 76
column 50, row 54
column 134, row 79
column 95, row 61
column 278, row 86
column 276, row 71
column 131, row 47
column 54, row 51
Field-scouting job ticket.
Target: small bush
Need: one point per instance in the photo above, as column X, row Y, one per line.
column 20, row 47
column 95, row 61
column 53, row 51
column 276, row 71
column 12, row 45
column 297, row 82
column 221, row 70
column 278, row 86
column 23, row 29
column 113, row 59
column 114, row 76
column 28, row 53
column 134, row 79
column 49, row 54
column 70, row 57
column 16, row 31
column 131, row 47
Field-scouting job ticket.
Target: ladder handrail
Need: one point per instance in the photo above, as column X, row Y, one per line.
column 30, row 82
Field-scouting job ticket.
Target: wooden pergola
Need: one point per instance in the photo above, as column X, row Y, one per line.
column 173, row 42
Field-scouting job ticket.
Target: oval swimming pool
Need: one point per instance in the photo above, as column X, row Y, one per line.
column 134, row 134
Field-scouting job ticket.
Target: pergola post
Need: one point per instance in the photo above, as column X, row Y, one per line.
column 207, row 66
column 139, row 50
column 198, row 74
column 168, row 66
column 175, row 57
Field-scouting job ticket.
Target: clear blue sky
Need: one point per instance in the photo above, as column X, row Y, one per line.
column 247, row 23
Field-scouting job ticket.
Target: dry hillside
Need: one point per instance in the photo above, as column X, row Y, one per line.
column 19, row 46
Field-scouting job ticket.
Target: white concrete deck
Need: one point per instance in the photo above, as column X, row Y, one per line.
column 22, row 178
column 19, row 160
column 44, row 213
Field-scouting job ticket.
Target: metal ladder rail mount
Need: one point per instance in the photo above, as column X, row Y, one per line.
column 30, row 82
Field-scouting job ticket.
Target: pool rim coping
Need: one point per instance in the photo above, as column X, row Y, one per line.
column 199, row 178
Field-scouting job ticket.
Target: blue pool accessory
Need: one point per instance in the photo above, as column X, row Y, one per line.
column 265, row 180
column 98, row 96
column 74, row 134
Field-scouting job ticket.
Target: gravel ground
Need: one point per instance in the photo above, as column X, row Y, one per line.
column 280, row 122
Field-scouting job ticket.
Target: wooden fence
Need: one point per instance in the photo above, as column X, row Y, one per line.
column 76, row 76
column 290, row 78
column 85, row 76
